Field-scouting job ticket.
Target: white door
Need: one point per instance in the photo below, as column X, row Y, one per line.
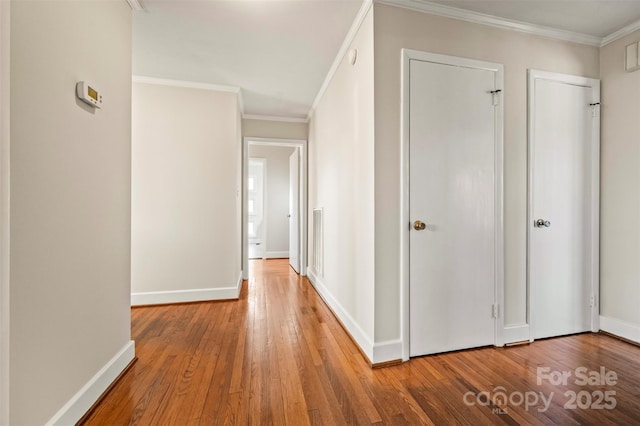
column 563, row 212
column 454, row 186
column 255, row 207
column 294, row 210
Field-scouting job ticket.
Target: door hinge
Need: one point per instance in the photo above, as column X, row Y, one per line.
column 594, row 109
column 495, row 310
column 592, row 301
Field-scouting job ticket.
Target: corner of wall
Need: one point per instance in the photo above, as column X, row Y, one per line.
column 376, row 353
column 623, row 329
column 341, row 125
column 188, row 295
column 84, row 399
column 387, row 351
column 342, row 315
column 619, row 192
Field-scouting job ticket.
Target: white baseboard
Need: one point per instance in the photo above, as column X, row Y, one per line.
column 82, row 401
column 620, row 328
column 276, row 254
column 360, row 337
column 390, row 350
column 516, row 333
column 185, row 296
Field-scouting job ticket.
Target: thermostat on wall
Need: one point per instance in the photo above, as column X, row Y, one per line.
column 89, row 94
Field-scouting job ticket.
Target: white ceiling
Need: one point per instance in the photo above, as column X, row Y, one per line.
column 277, row 52
column 280, row 51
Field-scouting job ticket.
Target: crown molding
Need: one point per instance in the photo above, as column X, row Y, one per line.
column 275, row 118
column 240, row 102
column 191, row 85
column 136, row 5
column 187, row 84
column 351, row 35
column 633, row 27
column 493, row 21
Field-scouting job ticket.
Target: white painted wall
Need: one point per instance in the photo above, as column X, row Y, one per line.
column 70, row 203
column 341, row 181
column 277, row 197
column 274, row 129
column 397, row 28
column 185, row 194
column 620, row 193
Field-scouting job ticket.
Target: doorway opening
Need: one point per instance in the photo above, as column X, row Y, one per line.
column 265, row 224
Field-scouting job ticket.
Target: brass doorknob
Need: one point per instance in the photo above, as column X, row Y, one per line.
column 419, row 225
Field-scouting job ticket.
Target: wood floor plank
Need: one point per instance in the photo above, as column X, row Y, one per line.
column 278, row 356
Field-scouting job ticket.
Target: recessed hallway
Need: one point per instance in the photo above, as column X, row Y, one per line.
column 278, row 356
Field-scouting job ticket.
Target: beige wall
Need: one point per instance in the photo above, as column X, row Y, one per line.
column 341, row 173
column 70, row 200
column 620, row 186
column 274, row 129
column 277, row 196
column 185, row 190
column 397, row 28
column 5, row 84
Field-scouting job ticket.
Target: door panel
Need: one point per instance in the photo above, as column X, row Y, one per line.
column 560, row 156
column 294, row 210
column 452, row 190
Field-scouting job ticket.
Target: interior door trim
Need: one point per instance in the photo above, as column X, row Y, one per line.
column 292, row 143
column 407, row 56
column 594, row 85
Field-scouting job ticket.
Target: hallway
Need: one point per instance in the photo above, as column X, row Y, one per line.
column 278, row 356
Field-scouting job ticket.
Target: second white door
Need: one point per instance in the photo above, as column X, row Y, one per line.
column 563, row 205
column 454, row 135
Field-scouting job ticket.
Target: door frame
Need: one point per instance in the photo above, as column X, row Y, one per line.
column 407, row 56
column 297, row 155
column 290, row 143
column 5, row 82
column 594, row 84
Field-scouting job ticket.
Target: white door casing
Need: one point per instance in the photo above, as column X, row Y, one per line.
column 563, row 258
column 294, row 210
column 453, row 149
column 293, row 143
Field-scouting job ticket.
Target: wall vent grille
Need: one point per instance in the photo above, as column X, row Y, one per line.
column 318, row 243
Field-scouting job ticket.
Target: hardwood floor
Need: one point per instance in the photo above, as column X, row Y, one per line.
column 278, row 356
